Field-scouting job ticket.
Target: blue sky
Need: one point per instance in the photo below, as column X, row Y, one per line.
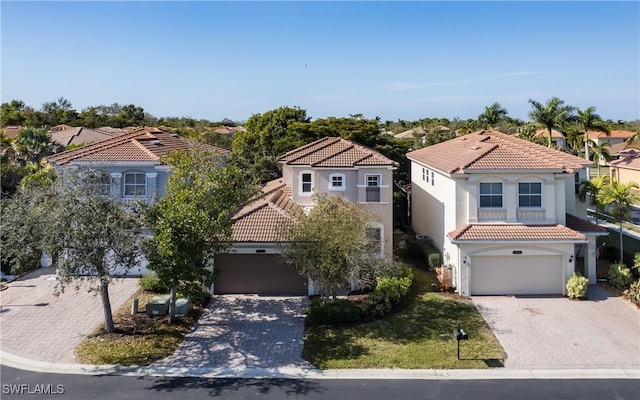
column 394, row 60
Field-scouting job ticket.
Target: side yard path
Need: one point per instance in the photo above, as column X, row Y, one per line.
column 37, row 325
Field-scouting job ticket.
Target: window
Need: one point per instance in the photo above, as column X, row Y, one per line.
column 530, row 194
column 373, row 188
column 433, row 179
column 100, row 182
column 425, row 175
column 306, row 183
column 135, row 185
column 491, row 195
column 374, row 237
column 337, row 182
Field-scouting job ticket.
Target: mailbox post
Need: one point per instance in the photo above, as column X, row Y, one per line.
column 459, row 334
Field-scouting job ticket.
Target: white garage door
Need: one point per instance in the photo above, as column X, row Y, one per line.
column 493, row 275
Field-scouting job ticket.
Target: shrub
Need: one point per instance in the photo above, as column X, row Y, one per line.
column 387, row 294
column 577, row 286
column 434, row 260
column 151, row 283
column 633, row 293
column 620, row 276
column 326, row 312
column 193, row 291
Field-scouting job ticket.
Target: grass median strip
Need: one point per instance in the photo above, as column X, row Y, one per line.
column 420, row 336
column 139, row 339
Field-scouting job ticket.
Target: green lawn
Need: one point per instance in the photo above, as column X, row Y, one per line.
column 417, row 337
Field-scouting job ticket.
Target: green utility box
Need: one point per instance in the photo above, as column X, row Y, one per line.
column 158, row 305
column 182, row 307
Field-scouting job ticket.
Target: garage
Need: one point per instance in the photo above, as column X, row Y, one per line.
column 263, row 274
column 518, row 275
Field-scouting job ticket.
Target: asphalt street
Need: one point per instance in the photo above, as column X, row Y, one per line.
column 18, row 384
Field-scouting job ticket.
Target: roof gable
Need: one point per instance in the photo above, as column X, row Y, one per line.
column 494, row 151
column 335, row 152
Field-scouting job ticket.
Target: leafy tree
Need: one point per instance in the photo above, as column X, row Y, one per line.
column 492, row 115
column 591, row 189
column 91, row 235
column 553, row 115
column 620, row 197
column 12, row 113
column 194, row 218
column 600, row 152
column 32, row 145
column 331, row 246
column 588, row 120
column 266, row 138
column 59, row 111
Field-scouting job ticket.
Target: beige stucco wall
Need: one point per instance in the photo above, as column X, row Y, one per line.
column 625, row 175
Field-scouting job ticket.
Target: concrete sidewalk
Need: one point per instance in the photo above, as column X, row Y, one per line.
column 13, row 361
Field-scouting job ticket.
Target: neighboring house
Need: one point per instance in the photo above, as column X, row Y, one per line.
column 615, row 137
column 134, row 161
column 504, row 213
column 557, row 138
column 11, row 131
column 332, row 166
column 67, row 135
column 414, row 133
column 626, row 168
column 229, row 131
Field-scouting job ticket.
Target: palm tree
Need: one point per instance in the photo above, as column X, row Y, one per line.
column 553, row 115
column 588, row 120
column 620, row 197
column 600, row 152
column 590, row 189
column 492, row 115
column 32, row 145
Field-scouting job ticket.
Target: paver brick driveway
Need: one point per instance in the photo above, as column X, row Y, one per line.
column 555, row 332
column 238, row 331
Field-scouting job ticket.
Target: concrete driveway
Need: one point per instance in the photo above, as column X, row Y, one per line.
column 37, row 325
column 244, row 331
column 555, row 332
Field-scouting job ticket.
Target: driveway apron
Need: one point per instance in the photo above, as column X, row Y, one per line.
column 555, row 332
column 244, row 331
column 37, row 325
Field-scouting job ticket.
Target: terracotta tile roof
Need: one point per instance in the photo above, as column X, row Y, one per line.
column 580, row 225
column 80, row 135
column 261, row 219
column 629, row 158
column 513, row 232
column 145, row 144
column 11, row 131
column 615, row 134
column 335, row 152
column 411, row 133
column 494, row 151
column 545, row 133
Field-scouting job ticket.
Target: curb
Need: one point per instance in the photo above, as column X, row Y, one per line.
column 14, row 361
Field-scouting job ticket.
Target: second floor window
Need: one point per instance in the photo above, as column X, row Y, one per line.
column 373, row 188
column 491, row 195
column 135, row 185
column 374, row 237
column 530, row 194
column 305, row 182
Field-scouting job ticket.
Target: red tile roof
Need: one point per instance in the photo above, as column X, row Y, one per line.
column 262, row 219
column 629, row 158
column 335, row 152
column 615, row 134
column 515, row 232
column 580, row 225
column 494, row 151
column 145, row 144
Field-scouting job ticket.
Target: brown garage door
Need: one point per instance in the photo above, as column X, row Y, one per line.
column 264, row 274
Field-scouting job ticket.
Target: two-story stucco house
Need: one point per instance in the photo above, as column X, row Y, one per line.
column 504, row 213
column 331, row 166
column 134, row 161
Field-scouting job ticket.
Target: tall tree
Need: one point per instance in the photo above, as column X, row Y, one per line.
column 194, row 218
column 588, row 120
column 600, row 152
column 620, row 197
column 492, row 115
column 91, row 235
column 12, row 113
column 32, row 145
column 590, row 189
column 331, row 245
column 552, row 115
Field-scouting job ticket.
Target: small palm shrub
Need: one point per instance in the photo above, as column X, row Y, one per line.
column 633, row 293
column 577, row 286
column 433, row 260
column 620, row 276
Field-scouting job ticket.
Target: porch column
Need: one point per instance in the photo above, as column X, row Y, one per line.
column 590, row 260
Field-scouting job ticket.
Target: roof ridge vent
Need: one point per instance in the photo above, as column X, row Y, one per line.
column 174, row 135
column 155, row 141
